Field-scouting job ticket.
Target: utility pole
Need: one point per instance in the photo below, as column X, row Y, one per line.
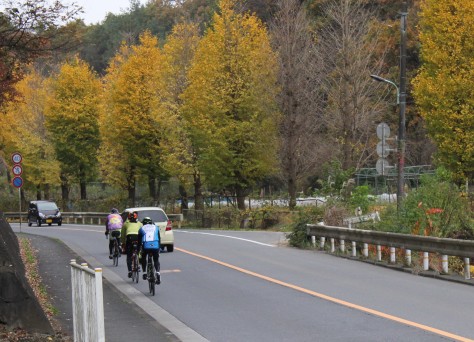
column 402, row 99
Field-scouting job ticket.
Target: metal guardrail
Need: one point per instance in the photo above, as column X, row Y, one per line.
column 85, row 217
column 425, row 244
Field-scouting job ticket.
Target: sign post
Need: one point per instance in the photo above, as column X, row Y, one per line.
column 17, row 181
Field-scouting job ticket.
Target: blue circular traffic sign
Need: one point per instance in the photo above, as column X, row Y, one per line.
column 17, row 182
column 17, row 158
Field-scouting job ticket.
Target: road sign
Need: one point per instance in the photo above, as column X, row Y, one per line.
column 382, row 166
column 17, row 169
column 17, row 158
column 383, row 149
column 17, row 182
column 383, row 131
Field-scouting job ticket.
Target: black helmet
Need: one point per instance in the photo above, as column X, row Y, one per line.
column 147, row 220
column 114, row 211
column 133, row 216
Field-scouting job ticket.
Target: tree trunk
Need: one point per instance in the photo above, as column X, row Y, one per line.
column 64, row 191
column 158, row 192
column 47, row 191
column 83, row 186
column 198, row 200
column 292, row 192
column 240, row 192
column 184, row 197
column 38, row 194
column 152, row 188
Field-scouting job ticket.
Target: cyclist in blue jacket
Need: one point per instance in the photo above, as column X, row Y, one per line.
column 149, row 236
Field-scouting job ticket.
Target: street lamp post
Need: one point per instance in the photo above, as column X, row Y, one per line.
column 401, row 101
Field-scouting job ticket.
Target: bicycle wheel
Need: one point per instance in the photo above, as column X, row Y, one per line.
column 134, row 268
column 135, row 265
column 151, row 276
column 116, row 253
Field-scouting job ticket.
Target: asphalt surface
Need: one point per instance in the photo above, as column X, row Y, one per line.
column 124, row 320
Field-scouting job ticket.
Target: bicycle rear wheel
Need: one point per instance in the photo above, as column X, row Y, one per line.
column 116, row 253
column 151, row 276
column 135, row 273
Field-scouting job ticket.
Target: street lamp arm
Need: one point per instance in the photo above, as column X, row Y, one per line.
column 381, row 79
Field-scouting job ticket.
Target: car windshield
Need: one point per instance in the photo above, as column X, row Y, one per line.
column 47, row 206
column 155, row 215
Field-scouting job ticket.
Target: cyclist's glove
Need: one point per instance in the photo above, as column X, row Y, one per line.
column 106, row 232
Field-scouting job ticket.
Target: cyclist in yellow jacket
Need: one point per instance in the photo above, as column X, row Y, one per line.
column 129, row 234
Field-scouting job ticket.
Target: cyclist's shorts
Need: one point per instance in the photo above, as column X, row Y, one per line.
column 132, row 237
column 115, row 233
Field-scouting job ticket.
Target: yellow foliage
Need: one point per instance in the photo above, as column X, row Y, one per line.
column 444, row 86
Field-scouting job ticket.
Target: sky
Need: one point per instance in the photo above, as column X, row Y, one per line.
column 96, row 10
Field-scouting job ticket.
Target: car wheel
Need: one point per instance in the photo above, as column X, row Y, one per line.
column 29, row 224
column 169, row 248
column 49, row 224
column 60, row 223
column 39, row 222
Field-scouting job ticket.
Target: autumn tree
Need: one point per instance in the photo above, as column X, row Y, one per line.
column 178, row 53
column 30, row 29
column 25, row 131
column 135, row 117
column 347, row 47
column 72, row 119
column 301, row 94
column 230, row 104
column 444, row 86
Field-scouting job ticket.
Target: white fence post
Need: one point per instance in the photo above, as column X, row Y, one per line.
column 333, row 248
column 445, row 263
column 426, row 261
column 392, row 255
column 313, row 240
column 88, row 303
column 342, row 246
column 322, row 242
column 366, row 250
column 467, row 268
column 354, row 249
column 408, row 257
column 379, row 253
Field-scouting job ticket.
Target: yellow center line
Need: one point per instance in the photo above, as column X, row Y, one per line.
column 332, row 299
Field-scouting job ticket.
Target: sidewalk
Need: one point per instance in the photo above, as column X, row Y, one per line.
column 124, row 320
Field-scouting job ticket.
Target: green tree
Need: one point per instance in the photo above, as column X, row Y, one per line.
column 444, row 86
column 135, row 116
column 230, row 103
column 72, row 119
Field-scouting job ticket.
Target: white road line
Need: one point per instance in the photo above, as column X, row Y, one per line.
column 226, row 236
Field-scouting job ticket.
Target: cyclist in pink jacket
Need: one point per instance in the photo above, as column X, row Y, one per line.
column 113, row 225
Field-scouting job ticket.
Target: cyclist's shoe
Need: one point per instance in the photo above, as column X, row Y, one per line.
column 129, row 274
column 110, row 256
column 158, row 278
column 144, row 276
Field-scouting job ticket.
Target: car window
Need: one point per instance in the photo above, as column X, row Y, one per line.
column 155, row 215
column 47, row 206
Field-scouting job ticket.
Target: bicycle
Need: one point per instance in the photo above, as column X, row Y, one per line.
column 135, row 263
column 116, row 251
column 150, row 273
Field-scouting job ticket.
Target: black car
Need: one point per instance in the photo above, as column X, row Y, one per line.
column 46, row 212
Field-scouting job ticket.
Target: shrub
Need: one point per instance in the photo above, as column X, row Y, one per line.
column 298, row 237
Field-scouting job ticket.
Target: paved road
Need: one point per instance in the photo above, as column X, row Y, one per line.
column 234, row 286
